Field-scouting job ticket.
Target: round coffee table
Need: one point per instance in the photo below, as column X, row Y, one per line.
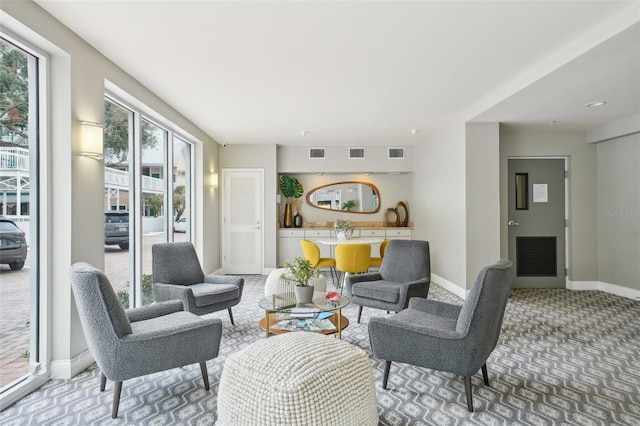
column 279, row 307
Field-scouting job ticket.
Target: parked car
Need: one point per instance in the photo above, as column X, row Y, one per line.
column 116, row 228
column 180, row 225
column 13, row 245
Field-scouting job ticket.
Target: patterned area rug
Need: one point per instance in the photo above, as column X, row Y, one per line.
column 564, row 357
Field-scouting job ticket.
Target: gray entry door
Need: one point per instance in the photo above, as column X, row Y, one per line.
column 537, row 222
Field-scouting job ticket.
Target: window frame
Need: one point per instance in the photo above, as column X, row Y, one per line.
column 142, row 113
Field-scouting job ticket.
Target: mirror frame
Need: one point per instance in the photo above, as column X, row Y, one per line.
column 369, row 184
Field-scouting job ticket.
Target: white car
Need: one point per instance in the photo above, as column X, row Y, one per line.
column 180, row 225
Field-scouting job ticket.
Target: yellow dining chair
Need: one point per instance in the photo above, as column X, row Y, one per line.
column 377, row 261
column 352, row 258
column 311, row 252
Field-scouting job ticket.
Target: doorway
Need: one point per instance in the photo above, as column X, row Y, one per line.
column 536, row 222
column 242, row 221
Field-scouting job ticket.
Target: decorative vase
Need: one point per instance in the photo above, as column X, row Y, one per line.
column 297, row 220
column 288, row 218
column 304, row 294
column 344, row 234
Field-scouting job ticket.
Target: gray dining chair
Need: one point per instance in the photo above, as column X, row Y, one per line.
column 442, row 336
column 140, row 341
column 177, row 275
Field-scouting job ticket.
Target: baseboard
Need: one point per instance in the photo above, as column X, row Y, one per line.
column 449, row 286
column 618, row 290
column 66, row 369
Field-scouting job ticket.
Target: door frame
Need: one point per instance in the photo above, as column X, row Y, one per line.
column 223, row 207
column 567, row 197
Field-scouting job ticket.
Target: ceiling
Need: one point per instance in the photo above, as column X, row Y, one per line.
column 368, row 73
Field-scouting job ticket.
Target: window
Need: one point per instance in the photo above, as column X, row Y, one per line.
column 19, row 238
column 157, row 209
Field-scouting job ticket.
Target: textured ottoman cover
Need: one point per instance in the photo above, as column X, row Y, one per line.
column 299, row 378
column 273, row 284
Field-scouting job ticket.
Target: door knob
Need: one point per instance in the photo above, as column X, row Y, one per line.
column 513, row 223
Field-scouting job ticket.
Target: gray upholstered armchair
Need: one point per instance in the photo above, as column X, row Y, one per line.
column 447, row 337
column 177, row 275
column 145, row 340
column 405, row 273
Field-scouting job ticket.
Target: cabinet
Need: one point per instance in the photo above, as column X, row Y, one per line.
column 289, row 246
column 289, row 243
column 398, row 234
column 289, row 240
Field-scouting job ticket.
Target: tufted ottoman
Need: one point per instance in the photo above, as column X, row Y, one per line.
column 298, row 378
column 274, row 285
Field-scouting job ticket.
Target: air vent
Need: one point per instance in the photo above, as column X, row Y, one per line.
column 396, row 153
column 356, row 153
column 316, row 153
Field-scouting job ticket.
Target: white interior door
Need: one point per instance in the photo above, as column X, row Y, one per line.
column 242, row 221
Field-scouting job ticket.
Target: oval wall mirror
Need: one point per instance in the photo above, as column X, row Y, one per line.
column 353, row 197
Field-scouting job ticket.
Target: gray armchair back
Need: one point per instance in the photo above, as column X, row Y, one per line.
column 135, row 342
column 176, row 263
column 406, row 260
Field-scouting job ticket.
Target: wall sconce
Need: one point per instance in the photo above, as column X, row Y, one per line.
column 92, row 140
column 214, row 180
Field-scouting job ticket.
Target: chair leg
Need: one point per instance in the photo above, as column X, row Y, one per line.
column 385, row 378
column 231, row 316
column 103, row 382
column 467, row 389
column 359, row 313
column 205, row 375
column 117, row 389
column 485, row 375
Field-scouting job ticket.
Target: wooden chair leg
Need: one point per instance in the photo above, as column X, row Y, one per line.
column 485, row 375
column 467, row 388
column 117, row 389
column 205, row 375
column 103, row 382
column 385, row 378
column 231, row 316
column 359, row 313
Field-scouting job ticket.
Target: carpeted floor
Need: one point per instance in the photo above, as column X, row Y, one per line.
column 564, row 357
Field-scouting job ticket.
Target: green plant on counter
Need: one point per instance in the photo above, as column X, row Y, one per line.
column 290, row 187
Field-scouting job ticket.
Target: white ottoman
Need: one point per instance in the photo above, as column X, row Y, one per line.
column 299, row 378
column 273, row 284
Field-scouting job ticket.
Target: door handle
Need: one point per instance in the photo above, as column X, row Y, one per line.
column 513, row 223
column 256, row 227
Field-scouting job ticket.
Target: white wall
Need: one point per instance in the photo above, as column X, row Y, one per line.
column 259, row 157
column 295, row 159
column 619, row 211
column 483, row 197
column 438, row 205
column 75, row 184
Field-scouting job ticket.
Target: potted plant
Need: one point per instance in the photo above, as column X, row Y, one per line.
column 301, row 271
column 343, row 229
column 291, row 188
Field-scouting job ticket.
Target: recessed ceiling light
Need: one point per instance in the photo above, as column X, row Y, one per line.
column 414, row 131
column 303, row 132
column 595, row 104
